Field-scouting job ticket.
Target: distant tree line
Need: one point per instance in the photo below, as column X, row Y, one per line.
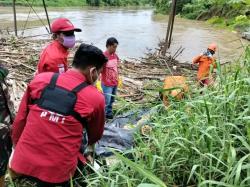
column 202, row 9
column 118, row 2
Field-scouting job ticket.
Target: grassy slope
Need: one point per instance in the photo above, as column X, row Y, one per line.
column 201, row 140
column 224, row 14
column 240, row 23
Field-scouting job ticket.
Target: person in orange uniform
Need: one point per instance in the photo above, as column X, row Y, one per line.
column 207, row 64
column 54, row 57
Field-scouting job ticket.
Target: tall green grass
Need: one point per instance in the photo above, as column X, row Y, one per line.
column 200, row 141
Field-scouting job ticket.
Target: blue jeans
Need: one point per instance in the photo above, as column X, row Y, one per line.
column 109, row 94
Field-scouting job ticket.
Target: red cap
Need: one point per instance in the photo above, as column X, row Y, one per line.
column 63, row 24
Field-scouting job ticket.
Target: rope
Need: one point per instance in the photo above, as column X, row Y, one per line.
column 27, row 2
column 24, row 27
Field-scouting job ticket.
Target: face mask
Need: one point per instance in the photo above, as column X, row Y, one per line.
column 93, row 82
column 208, row 53
column 69, row 41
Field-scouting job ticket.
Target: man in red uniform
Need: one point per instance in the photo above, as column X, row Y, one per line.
column 110, row 76
column 54, row 57
column 47, row 143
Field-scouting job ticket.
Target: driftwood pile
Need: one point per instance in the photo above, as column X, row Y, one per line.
column 20, row 57
column 139, row 75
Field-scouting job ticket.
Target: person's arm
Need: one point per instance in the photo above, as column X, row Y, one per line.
column 118, row 71
column 118, row 59
column 214, row 63
column 96, row 123
column 118, row 62
column 46, row 64
column 20, row 120
column 196, row 59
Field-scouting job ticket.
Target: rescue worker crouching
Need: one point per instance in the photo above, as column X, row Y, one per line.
column 174, row 86
column 47, row 132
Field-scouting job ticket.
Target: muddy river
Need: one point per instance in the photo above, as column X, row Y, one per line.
column 138, row 30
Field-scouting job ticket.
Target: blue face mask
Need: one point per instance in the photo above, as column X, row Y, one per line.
column 208, row 53
column 69, row 41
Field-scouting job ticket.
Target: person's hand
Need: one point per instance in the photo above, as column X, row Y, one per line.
column 192, row 66
column 120, row 82
column 90, row 159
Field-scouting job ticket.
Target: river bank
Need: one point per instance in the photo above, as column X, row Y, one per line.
column 230, row 14
column 141, row 33
column 198, row 141
column 20, row 56
column 234, row 15
column 239, row 25
column 51, row 3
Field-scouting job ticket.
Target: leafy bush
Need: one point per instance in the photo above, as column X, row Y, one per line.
column 217, row 20
column 192, row 11
column 241, row 18
column 241, row 23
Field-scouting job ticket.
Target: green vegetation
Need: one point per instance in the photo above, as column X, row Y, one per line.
column 54, row 3
column 232, row 13
column 200, row 141
column 118, row 2
column 163, row 6
column 224, row 13
column 239, row 23
column 64, row 3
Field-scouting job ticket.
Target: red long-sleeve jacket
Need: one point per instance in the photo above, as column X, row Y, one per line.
column 53, row 58
column 47, row 144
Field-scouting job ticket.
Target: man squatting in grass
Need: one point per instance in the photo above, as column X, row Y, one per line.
column 55, row 109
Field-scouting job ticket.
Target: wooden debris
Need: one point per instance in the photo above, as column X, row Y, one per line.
column 21, row 57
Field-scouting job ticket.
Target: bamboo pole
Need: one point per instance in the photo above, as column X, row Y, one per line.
column 170, row 27
column 14, row 13
column 172, row 23
column 47, row 15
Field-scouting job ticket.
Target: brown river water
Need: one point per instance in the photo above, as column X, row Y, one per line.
column 137, row 30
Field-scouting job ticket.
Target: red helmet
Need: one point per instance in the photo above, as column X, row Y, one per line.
column 212, row 47
column 63, row 24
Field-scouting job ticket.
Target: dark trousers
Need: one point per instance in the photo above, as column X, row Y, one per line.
column 46, row 184
column 40, row 183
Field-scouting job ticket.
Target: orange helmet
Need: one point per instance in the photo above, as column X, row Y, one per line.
column 212, row 47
